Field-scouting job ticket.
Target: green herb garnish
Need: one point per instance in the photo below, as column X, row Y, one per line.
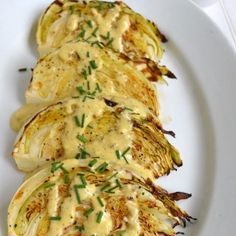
column 112, row 176
column 66, row 179
column 79, row 227
column 92, row 163
column 94, row 33
column 101, row 168
column 93, row 64
column 22, row 69
column 90, row 23
column 98, row 88
column 85, row 74
column 71, row 9
column 82, row 138
column 58, row 165
column 97, row 43
column 49, row 185
column 83, row 181
column 99, row 217
column 105, row 187
column 80, row 90
column 82, row 34
column 118, row 154
column 100, row 201
column 88, row 212
column 82, row 155
column 89, row 97
column 76, row 188
column 80, row 123
column 54, row 218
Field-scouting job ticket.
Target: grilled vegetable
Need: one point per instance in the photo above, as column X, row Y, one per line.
column 120, row 131
column 90, row 70
column 114, row 25
column 71, row 198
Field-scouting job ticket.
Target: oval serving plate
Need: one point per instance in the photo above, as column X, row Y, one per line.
column 199, row 106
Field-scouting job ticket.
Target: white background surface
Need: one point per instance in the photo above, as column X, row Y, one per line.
column 223, row 13
column 201, row 105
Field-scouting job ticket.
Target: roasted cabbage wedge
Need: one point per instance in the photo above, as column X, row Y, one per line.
column 74, row 197
column 121, row 131
column 80, row 67
column 112, row 24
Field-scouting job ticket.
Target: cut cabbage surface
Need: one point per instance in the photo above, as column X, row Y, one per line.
column 119, row 130
column 76, row 198
column 112, row 24
column 79, row 67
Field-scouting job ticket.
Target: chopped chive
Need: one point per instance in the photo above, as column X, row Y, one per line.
column 88, row 212
column 105, row 187
column 110, row 42
column 98, row 88
column 71, row 9
column 83, row 119
column 128, row 109
column 97, row 43
column 82, row 138
column 101, row 168
column 126, row 151
column 94, row 33
column 89, row 70
column 77, row 121
column 125, row 159
column 100, row 201
column 76, row 188
column 90, row 23
column 107, row 37
column 99, row 217
column 56, row 166
column 82, row 179
column 66, row 179
column 22, row 69
column 90, row 126
column 79, row 227
column 88, row 54
column 118, row 154
column 82, row 154
column 80, row 90
column 110, row 190
column 85, row 97
column 85, row 74
column 112, row 176
column 118, row 183
column 93, row 93
column 92, row 163
column 49, row 185
column 82, row 34
column 93, row 64
column 54, row 218
column 88, row 85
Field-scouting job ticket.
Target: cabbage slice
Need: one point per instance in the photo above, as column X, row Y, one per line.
column 114, row 25
column 73, row 198
column 119, row 130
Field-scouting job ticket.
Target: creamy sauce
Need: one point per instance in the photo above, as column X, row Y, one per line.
column 109, row 23
column 90, row 109
column 133, row 227
column 92, row 227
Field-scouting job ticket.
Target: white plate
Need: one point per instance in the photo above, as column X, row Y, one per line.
column 199, row 106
